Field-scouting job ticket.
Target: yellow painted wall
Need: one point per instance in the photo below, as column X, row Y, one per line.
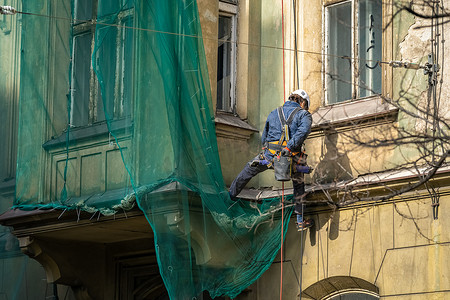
column 397, row 247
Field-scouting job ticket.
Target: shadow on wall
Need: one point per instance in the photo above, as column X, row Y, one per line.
column 334, row 166
column 328, row 220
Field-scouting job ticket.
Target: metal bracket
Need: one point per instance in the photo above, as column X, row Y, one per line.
column 432, row 70
column 435, row 203
column 405, row 64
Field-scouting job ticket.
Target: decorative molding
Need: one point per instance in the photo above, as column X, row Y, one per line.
column 232, row 127
column 333, row 285
column 31, row 247
column 228, row 7
column 376, row 184
column 78, row 134
column 353, row 113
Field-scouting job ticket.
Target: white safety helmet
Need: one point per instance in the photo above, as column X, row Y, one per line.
column 302, row 94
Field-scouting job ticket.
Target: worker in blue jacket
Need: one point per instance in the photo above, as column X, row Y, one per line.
column 299, row 129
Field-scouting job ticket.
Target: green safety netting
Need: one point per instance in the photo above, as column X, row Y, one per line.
column 20, row 276
column 117, row 112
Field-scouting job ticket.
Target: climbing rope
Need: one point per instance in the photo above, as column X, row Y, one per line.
column 282, row 185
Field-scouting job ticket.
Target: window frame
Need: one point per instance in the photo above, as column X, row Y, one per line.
column 229, row 1
column 355, row 40
column 94, row 101
column 359, row 292
column 227, row 9
column 340, row 285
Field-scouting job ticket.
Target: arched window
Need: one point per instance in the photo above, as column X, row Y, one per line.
column 353, row 295
column 341, row 288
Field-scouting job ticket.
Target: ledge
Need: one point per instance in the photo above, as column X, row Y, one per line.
column 347, row 113
column 7, row 187
column 366, row 181
column 45, row 221
column 396, row 175
column 230, row 126
column 82, row 133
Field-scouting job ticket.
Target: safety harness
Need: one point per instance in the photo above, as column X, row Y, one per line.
column 275, row 147
column 287, row 167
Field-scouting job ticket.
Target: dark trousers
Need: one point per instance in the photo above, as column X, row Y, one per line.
column 250, row 171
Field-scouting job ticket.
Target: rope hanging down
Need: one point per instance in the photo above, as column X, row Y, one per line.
column 7, row 10
column 282, row 186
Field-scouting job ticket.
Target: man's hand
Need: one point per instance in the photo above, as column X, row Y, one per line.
column 285, row 152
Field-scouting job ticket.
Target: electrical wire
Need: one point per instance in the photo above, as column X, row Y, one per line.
column 435, row 52
column 433, row 93
column 95, row 22
column 294, row 7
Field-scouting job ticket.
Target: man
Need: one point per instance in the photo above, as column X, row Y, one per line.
column 299, row 128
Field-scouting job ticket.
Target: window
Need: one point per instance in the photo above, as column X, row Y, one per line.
column 226, row 57
column 353, row 47
column 342, row 288
column 88, row 100
column 354, row 295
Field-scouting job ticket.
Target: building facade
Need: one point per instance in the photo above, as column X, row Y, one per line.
column 375, row 73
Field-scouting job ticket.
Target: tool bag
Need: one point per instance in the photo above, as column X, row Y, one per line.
column 299, row 165
column 282, row 165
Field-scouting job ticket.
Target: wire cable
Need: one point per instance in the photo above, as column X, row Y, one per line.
column 294, row 6
column 95, row 22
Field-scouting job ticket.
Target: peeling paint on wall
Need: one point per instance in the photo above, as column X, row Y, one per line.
column 415, row 48
column 210, row 16
column 417, row 43
column 424, row 124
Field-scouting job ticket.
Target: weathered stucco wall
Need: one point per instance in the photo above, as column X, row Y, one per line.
column 271, row 75
column 397, row 246
column 310, row 40
column 209, row 19
column 415, row 47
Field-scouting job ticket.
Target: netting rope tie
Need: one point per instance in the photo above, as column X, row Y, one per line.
column 7, row 10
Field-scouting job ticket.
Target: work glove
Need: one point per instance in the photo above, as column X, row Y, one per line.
column 285, row 152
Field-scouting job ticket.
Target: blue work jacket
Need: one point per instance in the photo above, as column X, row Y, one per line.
column 298, row 130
